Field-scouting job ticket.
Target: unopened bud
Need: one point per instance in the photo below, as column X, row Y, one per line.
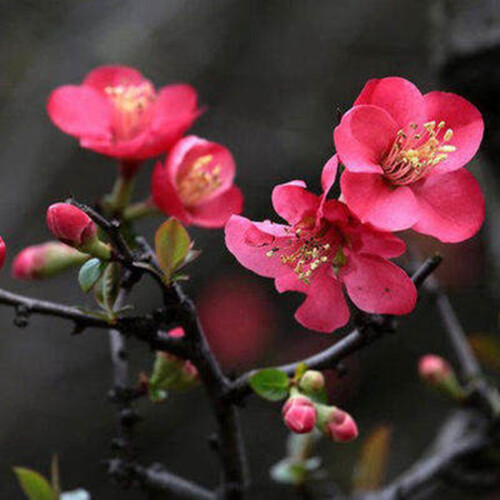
column 3, row 250
column 337, row 424
column 299, row 414
column 44, row 260
column 438, row 373
column 312, row 381
column 74, row 227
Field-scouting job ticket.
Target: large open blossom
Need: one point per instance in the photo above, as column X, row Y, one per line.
column 195, row 184
column 323, row 250
column 117, row 112
column 404, row 153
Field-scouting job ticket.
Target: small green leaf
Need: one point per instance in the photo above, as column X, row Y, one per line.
column 90, row 273
column 289, row 472
column 34, row 485
column 172, row 245
column 300, row 370
column 109, row 286
column 270, row 384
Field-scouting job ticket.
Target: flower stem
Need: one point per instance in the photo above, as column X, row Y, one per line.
column 140, row 209
column 123, row 188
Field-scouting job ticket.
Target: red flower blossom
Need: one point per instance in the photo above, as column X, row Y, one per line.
column 117, row 112
column 323, row 249
column 403, row 152
column 195, row 184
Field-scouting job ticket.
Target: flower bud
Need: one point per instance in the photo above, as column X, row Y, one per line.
column 74, row 227
column 47, row 259
column 434, row 369
column 312, row 381
column 438, row 373
column 299, row 414
column 2, row 252
column 342, row 427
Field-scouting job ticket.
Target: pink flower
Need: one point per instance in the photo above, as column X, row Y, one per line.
column 341, row 428
column 117, row 112
column 46, row 259
column 323, row 249
column 299, row 414
column 404, row 153
column 3, row 251
column 70, row 225
column 196, row 183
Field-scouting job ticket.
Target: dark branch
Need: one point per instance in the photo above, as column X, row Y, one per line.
column 375, row 326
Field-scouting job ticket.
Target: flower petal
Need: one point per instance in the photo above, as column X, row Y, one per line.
column 374, row 201
column 292, row 202
column 466, row 122
column 381, row 243
column 363, row 138
column 112, row 76
column 216, row 212
column 398, row 96
column 81, row 112
column 451, row 206
column 325, row 308
column 249, row 242
column 376, row 285
column 329, row 173
column 165, row 194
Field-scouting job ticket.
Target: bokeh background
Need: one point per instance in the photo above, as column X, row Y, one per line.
column 272, row 74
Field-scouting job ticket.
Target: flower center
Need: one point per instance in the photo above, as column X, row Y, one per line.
column 306, row 251
column 198, row 180
column 413, row 155
column 130, row 104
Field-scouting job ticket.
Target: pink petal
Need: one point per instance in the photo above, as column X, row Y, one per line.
column 112, row 76
column 250, row 241
column 216, row 212
column 398, row 96
column 175, row 110
column 292, row 202
column 363, row 138
column 451, row 206
column 165, row 194
column 374, row 201
column 376, row 285
column 465, row 121
column 80, row 111
column 380, row 243
column 325, row 308
column 329, row 173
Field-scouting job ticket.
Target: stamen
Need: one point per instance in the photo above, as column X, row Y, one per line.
column 198, row 181
column 412, row 156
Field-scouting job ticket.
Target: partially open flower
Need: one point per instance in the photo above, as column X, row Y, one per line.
column 44, row 260
column 323, row 249
column 404, row 153
column 299, row 414
column 117, row 112
column 195, row 184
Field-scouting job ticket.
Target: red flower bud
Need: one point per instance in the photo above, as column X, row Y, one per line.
column 434, row 369
column 70, row 225
column 47, row 259
column 299, row 414
column 2, row 252
column 341, row 427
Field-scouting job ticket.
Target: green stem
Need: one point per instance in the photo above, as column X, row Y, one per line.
column 140, row 209
column 123, row 188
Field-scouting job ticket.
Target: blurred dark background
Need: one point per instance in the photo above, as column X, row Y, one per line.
column 272, row 75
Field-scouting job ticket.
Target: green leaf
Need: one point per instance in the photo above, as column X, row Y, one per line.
column 300, row 370
column 289, row 472
column 270, row 384
column 34, row 485
column 369, row 472
column 108, row 287
column 90, row 273
column 172, row 245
